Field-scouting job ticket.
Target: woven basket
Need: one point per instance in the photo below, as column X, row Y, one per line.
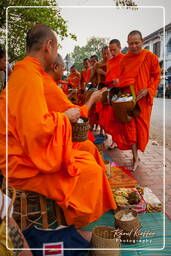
column 33, row 208
column 80, row 130
column 105, row 237
column 130, row 228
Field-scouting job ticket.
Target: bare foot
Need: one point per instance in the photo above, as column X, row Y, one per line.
column 135, row 164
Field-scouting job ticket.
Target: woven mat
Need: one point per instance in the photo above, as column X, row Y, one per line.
column 151, row 222
column 121, row 177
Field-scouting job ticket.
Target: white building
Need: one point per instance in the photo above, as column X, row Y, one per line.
column 155, row 43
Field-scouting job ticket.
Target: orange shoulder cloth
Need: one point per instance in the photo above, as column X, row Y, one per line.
column 129, row 67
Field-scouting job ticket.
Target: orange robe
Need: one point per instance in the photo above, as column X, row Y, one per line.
column 64, row 86
column 107, row 119
column 74, row 79
column 113, row 68
column 57, row 101
column 40, row 153
column 143, row 72
column 85, row 77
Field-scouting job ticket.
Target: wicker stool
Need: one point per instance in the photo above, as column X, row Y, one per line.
column 33, row 208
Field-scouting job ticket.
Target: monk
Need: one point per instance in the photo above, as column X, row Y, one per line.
column 93, row 115
column 109, row 124
column 85, row 74
column 139, row 68
column 40, row 153
column 74, row 77
column 112, row 64
column 101, row 74
column 58, row 102
column 94, row 76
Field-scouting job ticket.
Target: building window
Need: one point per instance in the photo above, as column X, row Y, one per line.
column 156, row 48
column 147, row 47
column 169, row 46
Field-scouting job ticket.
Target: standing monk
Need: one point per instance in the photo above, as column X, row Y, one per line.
column 113, row 64
column 85, row 74
column 74, row 77
column 101, row 74
column 110, row 125
column 139, row 68
column 40, row 153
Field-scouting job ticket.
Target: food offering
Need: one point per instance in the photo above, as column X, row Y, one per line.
column 129, row 198
column 152, row 201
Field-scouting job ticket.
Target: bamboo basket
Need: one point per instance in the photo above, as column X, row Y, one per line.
column 105, row 237
column 33, row 208
column 130, row 229
column 80, row 130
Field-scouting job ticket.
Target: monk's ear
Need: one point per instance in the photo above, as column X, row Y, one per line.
column 48, row 46
column 55, row 68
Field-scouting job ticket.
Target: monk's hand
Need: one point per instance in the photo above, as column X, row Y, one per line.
column 73, row 114
column 96, row 96
column 141, row 94
column 115, row 81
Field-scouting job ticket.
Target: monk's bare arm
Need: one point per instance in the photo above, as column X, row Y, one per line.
column 93, row 99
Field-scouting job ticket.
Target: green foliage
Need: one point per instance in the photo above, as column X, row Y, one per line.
column 93, row 47
column 20, row 20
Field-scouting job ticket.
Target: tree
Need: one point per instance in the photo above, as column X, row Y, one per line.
column 20, row 20
column 93, row 47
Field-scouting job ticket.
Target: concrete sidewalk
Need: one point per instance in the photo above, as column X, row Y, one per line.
column 151, row 170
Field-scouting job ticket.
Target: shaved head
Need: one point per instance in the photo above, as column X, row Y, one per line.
column 115, row 41
column 37, row 36
column 135, row 32
column 59, row 60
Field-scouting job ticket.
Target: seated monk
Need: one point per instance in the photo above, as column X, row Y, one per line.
column 58, row 101
column 41, row 157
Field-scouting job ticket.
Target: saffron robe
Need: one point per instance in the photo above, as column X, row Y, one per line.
column 40, row 153
column 143, row 71
column 57, row 101
column 107, row 117
column 113, row 69
column 85, row 77
column 74, row 79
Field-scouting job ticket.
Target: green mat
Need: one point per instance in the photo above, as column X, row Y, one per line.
column 151, row 222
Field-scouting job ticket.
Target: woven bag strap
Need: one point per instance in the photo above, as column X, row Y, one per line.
column 133, row 93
